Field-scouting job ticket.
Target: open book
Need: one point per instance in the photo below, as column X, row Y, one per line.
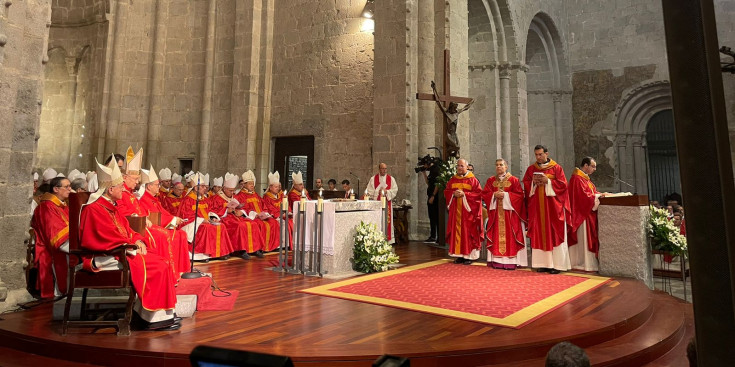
column 617, row 194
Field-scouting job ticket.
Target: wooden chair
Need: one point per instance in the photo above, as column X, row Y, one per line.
column 31, row 270
column 79, row 278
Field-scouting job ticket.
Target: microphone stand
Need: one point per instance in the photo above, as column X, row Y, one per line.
column 192, row 274
column 621, row 181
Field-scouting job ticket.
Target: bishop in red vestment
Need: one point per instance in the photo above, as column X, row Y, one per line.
column 50, row 224
column 244, row 232
column 178, row 247
column 211, row 234
column 503, row 196
column 380, row 184
column 464, row 227
column 253, row 203
column 548, row 213
column 584, row 199
column 272, row 201
column 103, row 228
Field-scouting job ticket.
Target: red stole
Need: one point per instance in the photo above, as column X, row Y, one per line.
column 582, row 194
column 504, row 229
column 389, row 204
column 463, row 227
column 50, row 223
column 546, row 215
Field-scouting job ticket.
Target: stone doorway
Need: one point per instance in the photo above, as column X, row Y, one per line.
column 663, row 162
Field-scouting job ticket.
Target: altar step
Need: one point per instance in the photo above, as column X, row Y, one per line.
column 657, row 342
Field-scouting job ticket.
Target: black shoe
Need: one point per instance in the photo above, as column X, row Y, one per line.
column 430, row 240
column 467, row 262
column 543, row 270
column 259, row 254
column 171, row 327
column 554, row 271
column 459, row 260
column 245, row 256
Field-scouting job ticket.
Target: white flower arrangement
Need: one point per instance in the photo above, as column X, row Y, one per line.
column 372, row 253
column 447, row 170
column 664, row 234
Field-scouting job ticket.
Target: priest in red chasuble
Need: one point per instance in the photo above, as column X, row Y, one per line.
column 584, row 199
column 253, row 206
column 102, row 227
column 50, row 224
column 212, row 239
column 506, row 241
column 381, row 184
column 272, row 201
column 244, row 232
column 548, row 213
column 178, row 247
column 464, row 227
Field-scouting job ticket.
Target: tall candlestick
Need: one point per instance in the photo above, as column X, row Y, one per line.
column 382, row 201
column 302, row 203
column 320, row 205
column 284, row 203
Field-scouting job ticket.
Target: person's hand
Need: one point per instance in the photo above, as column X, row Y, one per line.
column 141, row 247
column 458, row 194
column 433, row 85
column 602, row 195
column 431, row 199
column 148, row 223
column 499, row 194
column 213, row 220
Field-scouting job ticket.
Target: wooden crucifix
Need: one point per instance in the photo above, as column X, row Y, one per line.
column 448, row 105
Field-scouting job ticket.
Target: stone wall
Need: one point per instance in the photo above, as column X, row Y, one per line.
column 23, row 40
column 323, row 86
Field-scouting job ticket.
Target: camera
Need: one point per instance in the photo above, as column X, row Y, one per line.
column 425, row 160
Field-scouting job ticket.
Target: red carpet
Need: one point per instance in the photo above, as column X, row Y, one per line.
column 477, row 293
column 202, row 288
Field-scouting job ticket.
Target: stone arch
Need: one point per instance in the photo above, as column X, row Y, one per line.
column 631, row 118
column 548, row 86
column 492, row 57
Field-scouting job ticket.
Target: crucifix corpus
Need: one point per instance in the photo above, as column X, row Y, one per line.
column 449, row 106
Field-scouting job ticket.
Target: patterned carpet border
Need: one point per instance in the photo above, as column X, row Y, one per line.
column 516, row 320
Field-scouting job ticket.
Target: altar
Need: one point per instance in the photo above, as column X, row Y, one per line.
column 339, row 222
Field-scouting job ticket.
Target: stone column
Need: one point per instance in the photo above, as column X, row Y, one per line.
column 116, row 59
column 206, row 122
column 559, row 128
column 23, row 44
column 504, row 75
column 153, row 138
column 639, row 162
column 419, row 221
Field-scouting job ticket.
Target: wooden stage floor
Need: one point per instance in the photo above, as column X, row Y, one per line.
column 620, row 323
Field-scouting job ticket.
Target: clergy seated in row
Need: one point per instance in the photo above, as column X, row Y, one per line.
column 505, row 228
column 165, row 184
column 584, row 199
column 253, row 206
column 50, row 224
column 212, row 240
column 272, row 200
column 384, row 184
column 178, row 247
column 166, row 242
column 243, row 231
column 102, row 227
column 464, row 231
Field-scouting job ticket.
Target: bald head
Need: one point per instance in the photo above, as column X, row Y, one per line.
column 383, row 169
column 461, row 167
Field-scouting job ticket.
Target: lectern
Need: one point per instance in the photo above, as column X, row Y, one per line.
column 623, row 231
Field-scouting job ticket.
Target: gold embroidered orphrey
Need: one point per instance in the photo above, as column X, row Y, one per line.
column 501, row 185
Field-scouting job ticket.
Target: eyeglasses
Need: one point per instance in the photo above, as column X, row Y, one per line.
column 64, row 187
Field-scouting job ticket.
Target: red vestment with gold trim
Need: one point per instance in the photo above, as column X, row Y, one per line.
column 464, row 226
column 51, row 225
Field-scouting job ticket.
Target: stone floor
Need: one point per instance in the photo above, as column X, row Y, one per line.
column 674, row 287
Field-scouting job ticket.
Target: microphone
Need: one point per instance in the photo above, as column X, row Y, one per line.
column 621, row 181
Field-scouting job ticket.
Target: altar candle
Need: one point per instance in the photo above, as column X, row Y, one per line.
column 382, row 201
column 302, row 203
column 365, row 197
column 284, row 203
column 320, row 205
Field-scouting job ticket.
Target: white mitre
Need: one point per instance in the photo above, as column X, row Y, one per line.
column 274, row 178
column 148, row 176
column 297, row 178
column 248, row 176
column 107, row 176
column 218, row 181
column 175, row 178
column 231, row 180
column 49, row 174
column 164, row 174
column 133, row 161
